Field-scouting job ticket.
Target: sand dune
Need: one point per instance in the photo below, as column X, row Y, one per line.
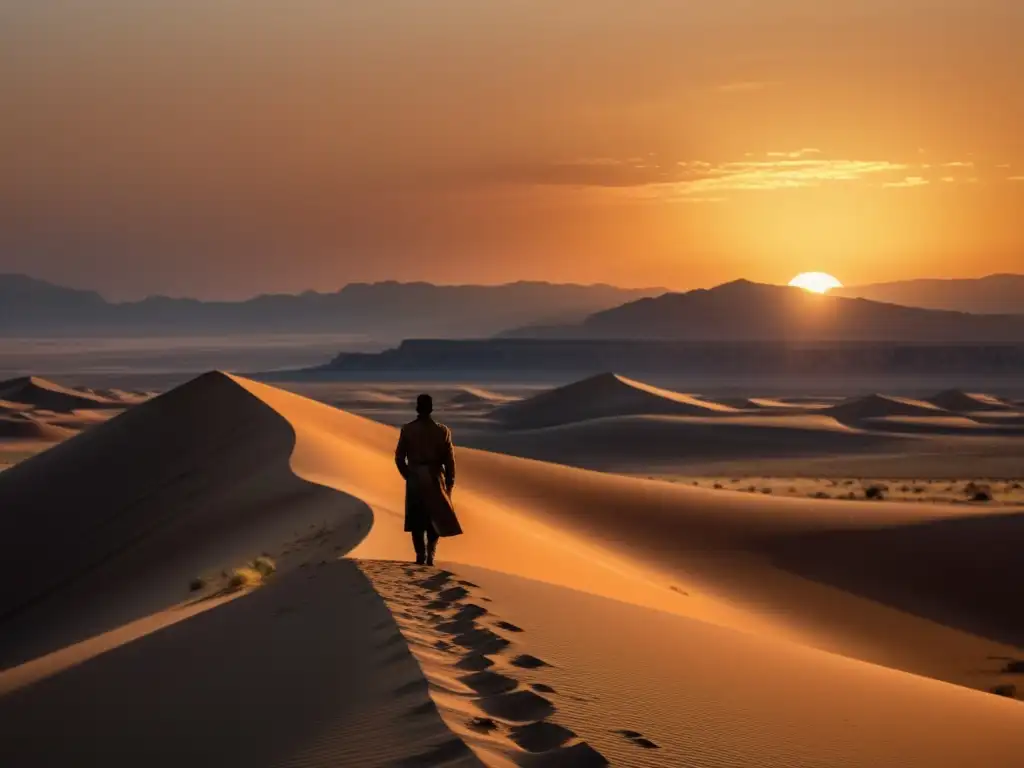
column 584, row 617
column 645, row 443
column 876, row 405
column 40, row 393
column 960, row 401
column 114, row 522
column 17, row 427
column 478, row 396
column 604, row 395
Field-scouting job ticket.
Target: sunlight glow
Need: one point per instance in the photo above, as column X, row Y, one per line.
column 815, row 282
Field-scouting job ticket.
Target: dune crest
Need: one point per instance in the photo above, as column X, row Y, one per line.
column 967, row 402
column 600, row 396
column 877, row 405
column 40, row 393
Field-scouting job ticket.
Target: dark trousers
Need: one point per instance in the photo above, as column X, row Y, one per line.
column 424, row 541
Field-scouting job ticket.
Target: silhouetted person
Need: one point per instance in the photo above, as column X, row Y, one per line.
column 426, row 458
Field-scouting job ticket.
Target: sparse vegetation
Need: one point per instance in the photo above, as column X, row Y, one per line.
column 196, row 584
column 264, row 565
column 242, row 578
column 1003, row 492
column 977, row 492
column 875, row 492
column 1009, row 690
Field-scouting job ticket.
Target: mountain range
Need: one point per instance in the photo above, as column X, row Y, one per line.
column 995, row 294
column 385, row 311
column 746, row 311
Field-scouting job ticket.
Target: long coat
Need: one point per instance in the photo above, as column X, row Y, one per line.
column 426, row 458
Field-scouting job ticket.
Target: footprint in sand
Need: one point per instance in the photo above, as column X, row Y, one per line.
column 526, row 661
column 638, row 739
column 484, row 724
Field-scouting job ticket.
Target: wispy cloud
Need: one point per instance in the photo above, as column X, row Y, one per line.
column 649, row 178
column 789, row 173
column 909, row 181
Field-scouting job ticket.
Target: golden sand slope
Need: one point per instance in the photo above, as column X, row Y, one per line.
column 876, row 406
column 957, row 400
column 606, row 394
column 681, row 626
column 642, row 444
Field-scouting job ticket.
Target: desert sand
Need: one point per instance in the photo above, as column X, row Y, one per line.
column 586, row 618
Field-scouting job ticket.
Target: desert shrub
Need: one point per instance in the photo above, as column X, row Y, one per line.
column 976, row 492
column 717, row 486
column 851, row 495
column 264, row 565
column 1016, row 487
column 196, row 584
column 1004, row 690
column 245, row 577
column 1015, row 667
column 918, row 489
column 821, row 495
column 847, row 482
column 904, row 489
column 766, row 491
column 751, row 488
column 875, row 492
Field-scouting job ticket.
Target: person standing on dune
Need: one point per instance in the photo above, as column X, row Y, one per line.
column 425, row 457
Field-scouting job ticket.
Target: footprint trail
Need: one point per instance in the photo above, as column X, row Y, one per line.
column 471, row 666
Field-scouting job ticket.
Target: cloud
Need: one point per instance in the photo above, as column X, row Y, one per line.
column 649, row 178
column 789, row 173
column 909, row 181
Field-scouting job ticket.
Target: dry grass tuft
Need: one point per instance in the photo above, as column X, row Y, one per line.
column 876, row 492
column 264, row 565
column 242, row 578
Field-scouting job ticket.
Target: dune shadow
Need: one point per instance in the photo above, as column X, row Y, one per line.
column 112, row 525
column 965, row 572
column 242, row 684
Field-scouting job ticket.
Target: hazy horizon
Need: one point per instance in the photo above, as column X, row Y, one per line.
column 216, row 150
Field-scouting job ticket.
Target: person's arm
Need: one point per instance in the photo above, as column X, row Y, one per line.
column 401, row 455
column 449, row 461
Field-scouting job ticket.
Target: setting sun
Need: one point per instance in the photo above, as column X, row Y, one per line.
column 815, row 282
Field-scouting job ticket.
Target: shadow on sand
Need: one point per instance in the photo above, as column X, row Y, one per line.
column 297, row 672
column 966, row 573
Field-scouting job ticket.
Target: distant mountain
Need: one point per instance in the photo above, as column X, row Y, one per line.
column 385, row 311
column 992, row 295
column 746, row 311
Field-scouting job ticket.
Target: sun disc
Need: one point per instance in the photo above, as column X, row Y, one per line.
column 815, row 282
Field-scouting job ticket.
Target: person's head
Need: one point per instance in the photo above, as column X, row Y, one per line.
column 424, row 405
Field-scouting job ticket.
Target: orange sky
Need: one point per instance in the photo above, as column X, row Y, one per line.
column 223, row 148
